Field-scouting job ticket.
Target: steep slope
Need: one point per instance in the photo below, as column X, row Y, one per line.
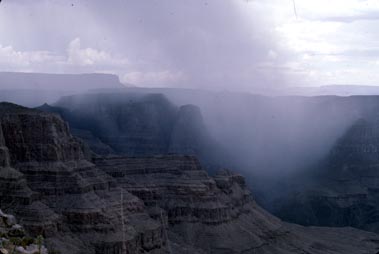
column 13, row 185
column 344, row 190
column 137, row 125
column 76, row 206
column 218, row 215
column 141, row 204
column 271, row 135
column 131, row 124
column 189, row 134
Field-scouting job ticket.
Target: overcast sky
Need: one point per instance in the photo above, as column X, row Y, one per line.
column 244, row 45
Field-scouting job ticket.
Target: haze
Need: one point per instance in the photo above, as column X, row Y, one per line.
column 269, row 47
column 231, row 48
column 255, row 46
column 240, row 61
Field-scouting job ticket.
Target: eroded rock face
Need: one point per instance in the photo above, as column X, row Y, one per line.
column 188, row 131
column 175, row 183
column 137, row 125
column 139, row 204
column 128, row 124
column 4, row 154
column 345, row 190
column 39, row 137
column 218, row 215
column 13, row 186
column 76, row 206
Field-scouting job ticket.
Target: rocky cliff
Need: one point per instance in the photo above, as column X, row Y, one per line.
column 344, row 189
column 218, row 214
column 137, row 125
column 160, row 204
column 189, row 134
column 76, row 206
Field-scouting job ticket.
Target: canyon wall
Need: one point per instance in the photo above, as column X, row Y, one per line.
column 344, row 188
column 145, row 204
column 76, row 206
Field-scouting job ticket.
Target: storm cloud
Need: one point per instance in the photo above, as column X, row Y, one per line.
column 213, row 44
column 256, row 46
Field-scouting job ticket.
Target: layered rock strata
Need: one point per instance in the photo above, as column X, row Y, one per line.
column 76, row 206
column 161, row 204
column 218, row 215
column 137, row 125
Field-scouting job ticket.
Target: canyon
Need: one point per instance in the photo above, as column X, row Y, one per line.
column 143, row 204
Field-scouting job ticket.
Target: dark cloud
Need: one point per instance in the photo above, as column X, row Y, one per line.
column 213, row 44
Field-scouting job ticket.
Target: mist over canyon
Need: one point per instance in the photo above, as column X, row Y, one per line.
column 168, row 156
column 180, row 127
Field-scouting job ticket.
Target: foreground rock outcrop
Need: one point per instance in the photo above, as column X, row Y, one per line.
column 59, row 194
column 14, row 240
column 159, row 204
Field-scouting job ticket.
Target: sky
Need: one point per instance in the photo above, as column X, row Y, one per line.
column 243, row 45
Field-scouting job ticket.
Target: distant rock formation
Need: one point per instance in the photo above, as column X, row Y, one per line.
column 189, row 134
column 57, row 82
column 34, row 89
column 159, row 204
column 344, row 189
column 137, row 125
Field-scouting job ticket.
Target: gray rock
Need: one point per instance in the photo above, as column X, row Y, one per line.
column 10, row 220
column 16, row 231
column 218, row 215
column 70, row 197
